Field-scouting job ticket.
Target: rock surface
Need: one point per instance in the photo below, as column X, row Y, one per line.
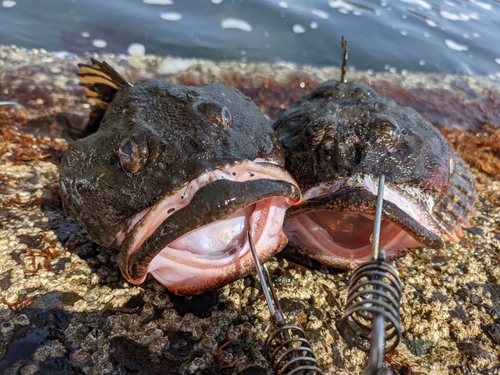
column 64, row 307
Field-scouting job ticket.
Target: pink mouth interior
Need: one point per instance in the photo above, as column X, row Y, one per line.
column 222, row 246
column 344, row 236
column 219, row 249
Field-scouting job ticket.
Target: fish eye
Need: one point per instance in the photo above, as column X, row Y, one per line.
column 315, row 131
column 394, row 135
column 217, row 114
column 133, row 152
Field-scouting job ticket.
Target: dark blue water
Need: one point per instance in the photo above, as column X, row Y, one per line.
column 451, row 36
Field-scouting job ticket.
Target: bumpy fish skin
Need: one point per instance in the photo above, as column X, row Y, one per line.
column 338, row 139
column 155, row 140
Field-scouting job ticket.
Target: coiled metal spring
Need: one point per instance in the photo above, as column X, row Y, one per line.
column 374, row 291
column 371, row 317
column 289, row 351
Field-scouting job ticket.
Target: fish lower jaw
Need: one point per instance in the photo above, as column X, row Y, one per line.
column 343, row 240
column 195, row 267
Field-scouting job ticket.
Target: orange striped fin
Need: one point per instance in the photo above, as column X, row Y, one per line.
column 101, row 82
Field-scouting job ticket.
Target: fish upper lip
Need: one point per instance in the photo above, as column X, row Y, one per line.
column 262, row 181
column 408, row 199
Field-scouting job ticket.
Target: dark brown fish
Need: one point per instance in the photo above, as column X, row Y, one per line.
column 338, row 139
column 174, row 177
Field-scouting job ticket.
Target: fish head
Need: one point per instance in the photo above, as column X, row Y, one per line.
column 174, row 177
column 338, row 140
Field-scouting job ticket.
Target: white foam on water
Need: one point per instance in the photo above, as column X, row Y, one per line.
column 299, row 29
column 283, row 4
column 421, row 62
column 235, row 23
column 8, row 4
column 136, row 49
column 320, row 13
column 476, row 35
column 216, row 2
column 481, row 4
column 99, row 43
column 340, row 4
column 449, row 3
column 404, row 32
column 158, row 2
column 85, row 34
column 171, row 16
column 420, row 3
column 358, row 13
column 430, row 23
column 313, row 25
column 497, row 60
column 455, row 46
column 456, row 16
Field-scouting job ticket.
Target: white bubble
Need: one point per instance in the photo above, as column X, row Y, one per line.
column 85, row 34
column 431, row 23
column 343, row 11
column 171, row 16
column 158, row 2
column 358, row 13
column 454, row 16
column 497, row 60
column 481, row 4
column 283, row 4
column 298, row 28
column 313, row 25
column 340, row 4
column 476, row 35
column 455, row 46
column 320, row 13
column 421, row 62
column 136, row 49
column 420, row 3
column 8, row 3
column 235, row 23
column 99, row 43
column 404, row 32
column 216, row 1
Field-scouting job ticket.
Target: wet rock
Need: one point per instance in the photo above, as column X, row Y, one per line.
column 419, row 347
column 472, row 350
column 493, row 331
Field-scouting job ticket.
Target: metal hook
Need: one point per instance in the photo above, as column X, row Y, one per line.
column 267, row 286
column 288, row 349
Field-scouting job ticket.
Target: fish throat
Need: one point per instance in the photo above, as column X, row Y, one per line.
column 201, row 228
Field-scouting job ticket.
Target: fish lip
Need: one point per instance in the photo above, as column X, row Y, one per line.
column 352, row 200
column 357, row 194
column 134, row 256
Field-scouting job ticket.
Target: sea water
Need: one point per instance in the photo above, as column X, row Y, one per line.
column 449, row 36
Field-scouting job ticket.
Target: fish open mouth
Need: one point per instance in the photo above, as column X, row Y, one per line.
column 334, row 224
column 196, row 238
